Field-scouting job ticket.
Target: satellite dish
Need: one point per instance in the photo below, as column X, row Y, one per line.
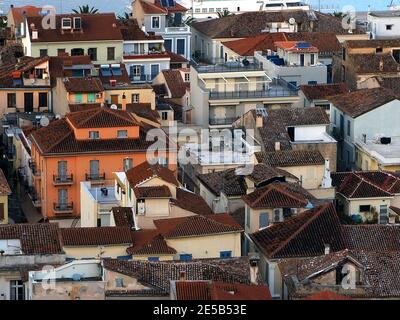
column 114, row 107
column 58, row 116
column 292, row 21
column 44, row 121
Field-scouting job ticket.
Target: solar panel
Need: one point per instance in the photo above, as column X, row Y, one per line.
column 164, row 3
column 171, row 3
column 303, row 45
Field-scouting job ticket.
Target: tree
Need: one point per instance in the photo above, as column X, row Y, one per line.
column 224, row 14
column 189, row 21
column 86, row 9
column 338, row 14
column 125, row 16
column 3, row 22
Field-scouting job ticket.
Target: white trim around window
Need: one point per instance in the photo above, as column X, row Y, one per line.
column 159, row 22
column 185, row 47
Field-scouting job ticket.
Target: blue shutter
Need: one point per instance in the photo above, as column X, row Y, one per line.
column 153, row 259
column 142, row 73
column 185, row 257
column 225, row 254
column 264, row 220
column 180, row 46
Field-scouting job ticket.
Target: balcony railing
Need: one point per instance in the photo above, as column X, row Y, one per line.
column 222, row 121
column 95, row 176
column 177, row 29
column 62, row 179
column 34, row 168
column 272, row 92
column 32, row 193
column 141, row 78
column 61, row 207
column 226, row 67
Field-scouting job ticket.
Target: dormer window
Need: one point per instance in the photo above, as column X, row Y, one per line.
column 187, row 77
column 77, row 23
column 94, row 135
column 122, row 134
column 66, row 23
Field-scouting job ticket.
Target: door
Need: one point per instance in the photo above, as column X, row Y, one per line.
column 28, row 102
column 114, row 99
column 62, row 198
column 168, row 44
column 62, row 170
column 341, row 126
column 302, row 59
column 94, row 169
column 180, row 46
column 155, row 69
column 383, row 214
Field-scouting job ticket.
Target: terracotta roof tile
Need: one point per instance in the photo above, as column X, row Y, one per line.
column 4, row 186
column 278, row 195
column 327, row 295
column 40, row 238
column 152, row 192
column 288, row 158
column 176, row 58
column 197, row 226
column 302, row 235
column 175, row 83
column 19, row 13
column 145, row 171
column 297, row 46
column 322, row 91
column 83, row 85
column 83, row 106
column 359, row 102
column 149, row 242
column 192, row 202
column 96, row 236
column 123, row 216
column 131, row 31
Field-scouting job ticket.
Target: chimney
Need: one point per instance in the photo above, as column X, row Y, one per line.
column 259, row 121
column 381, row 65
column 34, row 34
column 182, row 276
column 277, row 146
column 254, row 259
column 123, row 105
column 327, row 248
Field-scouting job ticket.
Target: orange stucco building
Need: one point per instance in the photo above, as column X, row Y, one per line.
column 86, row 146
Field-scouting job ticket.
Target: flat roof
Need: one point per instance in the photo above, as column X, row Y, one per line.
column 387, row 154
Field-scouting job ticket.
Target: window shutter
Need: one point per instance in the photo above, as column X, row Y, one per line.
column 2, row 211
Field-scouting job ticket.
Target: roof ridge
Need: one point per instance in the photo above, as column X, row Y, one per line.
column 302, row 227
column 277, row 187
column 371, row 183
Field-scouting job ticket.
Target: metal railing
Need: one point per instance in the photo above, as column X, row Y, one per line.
column 272, row 92
column 61, row 207
column 141, row 78
column 95, row 176
column 34, row 168
column 222, row 121
column 62, row 179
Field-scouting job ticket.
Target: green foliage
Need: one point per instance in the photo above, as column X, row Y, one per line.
column 224, row 14
column 86, row 9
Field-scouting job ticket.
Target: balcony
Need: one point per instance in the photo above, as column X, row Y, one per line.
column 95, row 176
column 36, row 82
column 61, row 180
column 226, row 67
column 34, row 168
column 142, row 78
column 222, row 121
column 181, row 29
column 32, row 193
column 63, row 208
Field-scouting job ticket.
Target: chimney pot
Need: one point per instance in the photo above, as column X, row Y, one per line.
column 259, row 121
column 123, row 102
column 182, row 276
column 327, row 248
column 277, row 146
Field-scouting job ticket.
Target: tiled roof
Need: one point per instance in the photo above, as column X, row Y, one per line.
column 40, row 238
column 372, row 237
column 101, row 118
column 159, row 274
column 278, row 195
column 192, row 202
column 131, row 31
column 176, row 58
column 4, row 187
column 288, row 158
column 295, row 46
column 19, row 13
column 83, row 106
column 208, row 290
column 302, row 235
column 197, row 226
column 147, row 242
column 372, row 63
column 251, row 23
column 354, row 185
column 146, row 171
column 277, row 121
column 261, row 42
column 155, row 7
column 372, row 43
column 327, row 295
column 152, row 192
column 143, row 110
column 95, row 27
column 322, row 91
column 96, row 236
column 326, row 42
column 392, row 83
column 175, row 83
column 359, row 102
column 78, row 85
column 123, row 216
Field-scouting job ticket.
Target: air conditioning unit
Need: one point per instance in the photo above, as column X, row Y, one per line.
column 141, row 208
column 98, row 95
column 94, row 72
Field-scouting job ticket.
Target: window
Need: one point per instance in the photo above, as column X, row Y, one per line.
column 94, row 135
column 263, row 220
column 94, row 168
column 219, row 10
column 42, row 99
column 62, row 197
column 312, row 59
column 383, row 214
column 77, row 52
column 77, row 22
column 389, row 27
column 334, row 116
column 302, row 59
column 211, row 10
column 78, row 98
column 225, row 254
column 17, row 290
column 197, row 10
column 43, row 52
column 92, row 52
column 365, row 208
column 60, row 52
column 122, row 133
column 91, row 98
column 187, row 77
column 204, row 10
column 168, row 44
column 110, row 53
column 238, row 9
column 379, row 50
column 185, row 257
column 2, row 211
column 248, row 216
column 162, row 162
column 155, row 22
column 128, row 164
column 153, row 259
column 164, row 115
column 66, row 23
column 348, row 127
column 180, row 46
column 11, row 100
column 225, row 9
column 312, row 83
column 135, row 98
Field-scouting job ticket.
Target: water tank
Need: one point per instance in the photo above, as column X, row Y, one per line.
column 386, row 140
